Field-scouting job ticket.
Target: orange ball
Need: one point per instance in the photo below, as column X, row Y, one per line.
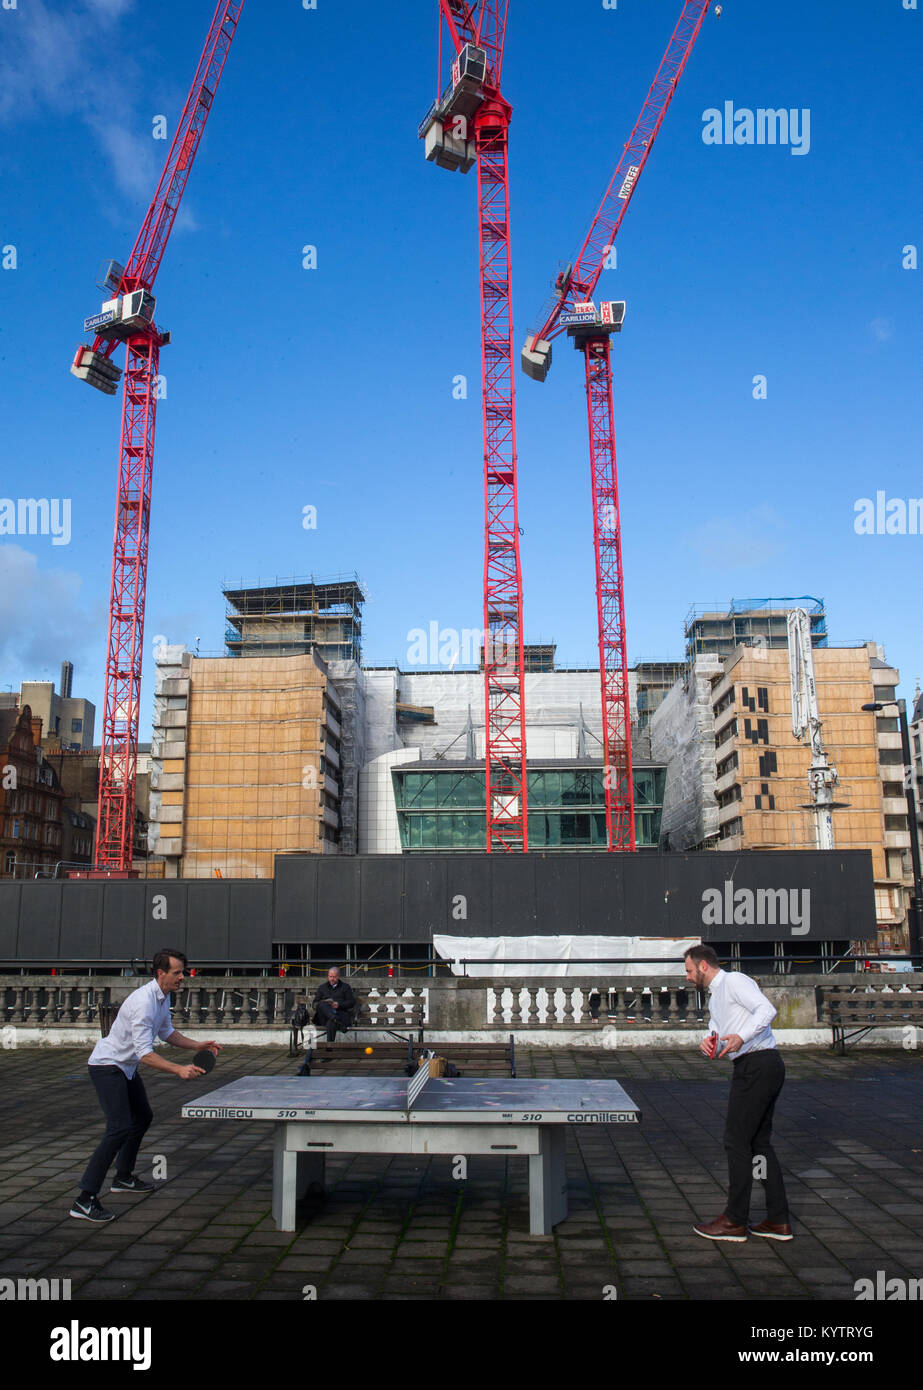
column 369, row 1051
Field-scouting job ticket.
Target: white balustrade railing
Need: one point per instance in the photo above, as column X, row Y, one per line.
column 565, row 1005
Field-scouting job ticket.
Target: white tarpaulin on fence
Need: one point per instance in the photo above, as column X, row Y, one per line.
column 511, row 955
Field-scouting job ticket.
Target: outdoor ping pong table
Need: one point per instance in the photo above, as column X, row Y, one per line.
column 316, row 1116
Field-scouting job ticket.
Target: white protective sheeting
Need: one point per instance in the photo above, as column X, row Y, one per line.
column 682, row 731
column 553, row 702
column 508, row 956
column 381, row 733
column 349, row 685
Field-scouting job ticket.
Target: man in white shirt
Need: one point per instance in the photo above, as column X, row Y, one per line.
column 113, row 1066
column 739, row 1019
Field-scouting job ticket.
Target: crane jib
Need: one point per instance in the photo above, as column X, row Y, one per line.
column 591, row 260
column 128, row 317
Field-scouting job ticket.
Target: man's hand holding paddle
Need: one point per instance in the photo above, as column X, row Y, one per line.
column 202, row 1062
column 715, row 1046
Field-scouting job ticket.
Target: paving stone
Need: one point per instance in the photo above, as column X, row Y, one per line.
column 174, row 1279
column 203, row 1262
column 464, row 1292
column 341, row 1273
column 524, row 1283
column 108, row 1288
column 339, row 1292
column 364, row 1257
column 313, row 1268
column 225, row 1288
column 857, row 1205
column 474, row 1254
column 421, row 1249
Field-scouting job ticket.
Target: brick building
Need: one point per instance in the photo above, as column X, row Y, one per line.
column 31, row 829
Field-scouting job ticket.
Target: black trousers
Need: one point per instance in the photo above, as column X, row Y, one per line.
column 330, row 1018
column 757, row 1080
column 128, row 1117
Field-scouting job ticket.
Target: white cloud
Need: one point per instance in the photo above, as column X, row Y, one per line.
column 134, row 159
column 882, row 330
column 739, row 542
column 40, row 61
column 42, row 620
column 75, row 64
column 111, row 9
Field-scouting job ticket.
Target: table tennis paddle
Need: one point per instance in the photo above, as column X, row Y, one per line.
column 204, row 1059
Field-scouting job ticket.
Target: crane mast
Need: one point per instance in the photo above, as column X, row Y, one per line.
column 573, row 310
column 129, row 317
column 468, row 124
column 806, row 724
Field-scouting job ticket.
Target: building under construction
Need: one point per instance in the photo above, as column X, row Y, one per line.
column 748, row 623
column 292, row 618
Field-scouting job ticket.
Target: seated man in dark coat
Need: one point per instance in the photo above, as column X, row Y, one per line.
column 335, row 1005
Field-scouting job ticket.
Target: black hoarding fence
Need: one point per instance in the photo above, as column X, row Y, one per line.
column 778, row 895
column 357, row 904
column 728, row 954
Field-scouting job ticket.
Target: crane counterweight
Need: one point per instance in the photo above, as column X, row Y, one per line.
column 446, row 128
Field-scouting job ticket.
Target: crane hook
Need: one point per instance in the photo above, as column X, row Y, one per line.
column 718, row 9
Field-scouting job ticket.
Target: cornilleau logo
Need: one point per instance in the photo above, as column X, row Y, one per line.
column 762, row 907
column 215, row 1112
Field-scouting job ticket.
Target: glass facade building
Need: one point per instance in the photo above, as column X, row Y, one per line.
column 442, row 806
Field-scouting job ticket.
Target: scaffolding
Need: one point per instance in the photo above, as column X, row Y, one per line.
column 289, row 618
column 749, row 623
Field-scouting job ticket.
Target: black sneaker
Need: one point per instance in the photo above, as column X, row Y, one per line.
column 132, row 1184
column 91, row 1211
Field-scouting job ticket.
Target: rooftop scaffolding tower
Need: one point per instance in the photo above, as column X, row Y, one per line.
column 287, row 619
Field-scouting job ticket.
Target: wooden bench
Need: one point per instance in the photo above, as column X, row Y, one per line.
column 860, row 1009
column 106, row 1013
column 402, row 1016
column 402, row 1059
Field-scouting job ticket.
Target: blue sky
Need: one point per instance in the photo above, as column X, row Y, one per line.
column 333, row 387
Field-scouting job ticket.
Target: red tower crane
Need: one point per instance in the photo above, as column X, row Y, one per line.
column 128, row 317
column 469, row 123
column 573, row 310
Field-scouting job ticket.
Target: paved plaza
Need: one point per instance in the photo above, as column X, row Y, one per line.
column 848, row 1134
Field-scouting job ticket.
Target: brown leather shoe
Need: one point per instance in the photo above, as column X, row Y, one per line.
column 766, row 1228
column 720, row 1229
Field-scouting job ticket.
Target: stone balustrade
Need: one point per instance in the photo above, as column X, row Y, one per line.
column 521, row 1004
column 47, row 1004
column 261, row 1001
